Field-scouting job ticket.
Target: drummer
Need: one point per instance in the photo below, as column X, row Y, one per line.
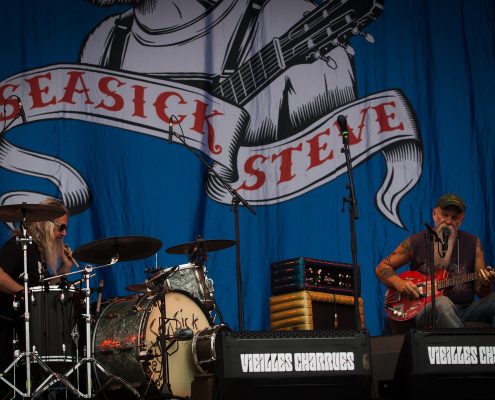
column 48, row 255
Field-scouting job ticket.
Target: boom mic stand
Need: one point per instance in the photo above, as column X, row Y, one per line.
column 236, row 200
column 353, row 215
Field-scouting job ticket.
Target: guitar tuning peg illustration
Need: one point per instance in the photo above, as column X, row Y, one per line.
column 348, row 48
column 367, row 36
column 327, row 59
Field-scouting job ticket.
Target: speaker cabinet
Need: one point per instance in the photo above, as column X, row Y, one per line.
column 451, row 364
column 292, row 365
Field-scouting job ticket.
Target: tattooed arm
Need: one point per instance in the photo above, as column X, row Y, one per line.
column 482, row 285
column 385, row 271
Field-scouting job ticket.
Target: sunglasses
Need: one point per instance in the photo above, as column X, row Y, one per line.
column 61, row 227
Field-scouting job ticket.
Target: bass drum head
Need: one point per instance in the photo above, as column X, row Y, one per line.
column 126, row 342
column 182, row 312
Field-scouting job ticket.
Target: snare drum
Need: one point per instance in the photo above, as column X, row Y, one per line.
column 53, row 323
column 126, row 340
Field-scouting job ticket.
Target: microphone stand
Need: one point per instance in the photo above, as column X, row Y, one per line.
column 430, row 238
column 353, row 215
column 236, row 200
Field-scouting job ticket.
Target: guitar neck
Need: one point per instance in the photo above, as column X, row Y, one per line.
column 252, row 76
column 457, row 279
column 327, row 26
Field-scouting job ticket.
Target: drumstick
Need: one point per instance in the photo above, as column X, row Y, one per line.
column 68, row 253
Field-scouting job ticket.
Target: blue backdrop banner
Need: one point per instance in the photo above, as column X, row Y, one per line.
column 254, row 88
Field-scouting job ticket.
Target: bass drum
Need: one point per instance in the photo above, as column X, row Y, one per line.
column 126, row 341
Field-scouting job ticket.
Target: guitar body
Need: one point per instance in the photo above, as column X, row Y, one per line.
column 403, row 308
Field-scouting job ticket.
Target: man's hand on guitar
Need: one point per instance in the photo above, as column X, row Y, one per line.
column 407, row 288
column 487, row 275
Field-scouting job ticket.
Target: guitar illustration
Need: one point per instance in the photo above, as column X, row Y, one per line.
column 403, row 308
column 326, row 27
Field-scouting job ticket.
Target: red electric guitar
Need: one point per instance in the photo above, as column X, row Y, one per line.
column 402, row 308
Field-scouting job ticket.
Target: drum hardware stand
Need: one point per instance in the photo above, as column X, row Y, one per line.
column 25, row 240
column 29, row 355
column 166, row 390
column 89, row 359
column 236, row 200
column 198, row 257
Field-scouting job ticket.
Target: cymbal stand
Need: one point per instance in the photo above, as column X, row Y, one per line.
column 30, row 355
column 198, row 258
column 24, row 240
column 166, row 390
column 89, row 359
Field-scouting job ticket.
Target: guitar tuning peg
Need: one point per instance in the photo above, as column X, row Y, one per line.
column 349, row 50
column 367, row 36
column 327, row 59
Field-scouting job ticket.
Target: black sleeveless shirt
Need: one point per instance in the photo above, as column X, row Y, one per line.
column 462, row 262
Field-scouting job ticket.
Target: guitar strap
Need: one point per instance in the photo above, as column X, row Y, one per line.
column 114, row 51
column 239, row 44
column 242, row 37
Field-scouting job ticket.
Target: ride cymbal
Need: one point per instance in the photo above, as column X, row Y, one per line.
column 200, row 245
column 125, row 248
column 32, row 212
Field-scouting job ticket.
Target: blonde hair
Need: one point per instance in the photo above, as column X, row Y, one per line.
column 44, row 237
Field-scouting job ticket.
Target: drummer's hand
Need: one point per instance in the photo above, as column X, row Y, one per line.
column 407, row 288
column 67, row 260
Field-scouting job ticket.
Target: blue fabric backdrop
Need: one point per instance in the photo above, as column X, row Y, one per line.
column 439, row 54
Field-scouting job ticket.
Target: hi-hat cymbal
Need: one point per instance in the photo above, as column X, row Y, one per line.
column 203, row 245
column 32, row 212
column 125, row 248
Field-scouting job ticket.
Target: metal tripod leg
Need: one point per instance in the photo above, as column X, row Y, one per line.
column 88, row 360
column 24, row 240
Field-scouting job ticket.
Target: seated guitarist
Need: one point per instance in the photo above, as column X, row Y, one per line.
column 464, row 255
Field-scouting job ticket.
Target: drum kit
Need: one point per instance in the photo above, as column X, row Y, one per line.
column 152, row 343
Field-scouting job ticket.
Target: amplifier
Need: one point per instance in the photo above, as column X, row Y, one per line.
column 293, row 364
column 308, row 310
column 310, row 274
column 453, row 364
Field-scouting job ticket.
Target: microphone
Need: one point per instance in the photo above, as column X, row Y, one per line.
column 21, row 111
column 100, row 292
column 342, row 121
column 183, row 334
column 445, row 241
column 170, row 132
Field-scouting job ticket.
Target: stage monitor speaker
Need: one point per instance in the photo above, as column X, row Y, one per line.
column 290, row 365
column 451, row 364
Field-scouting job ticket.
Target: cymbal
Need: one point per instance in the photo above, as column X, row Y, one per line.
column 138, row 287
column 32, row 212
column 205, row 245
column 126, row 248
